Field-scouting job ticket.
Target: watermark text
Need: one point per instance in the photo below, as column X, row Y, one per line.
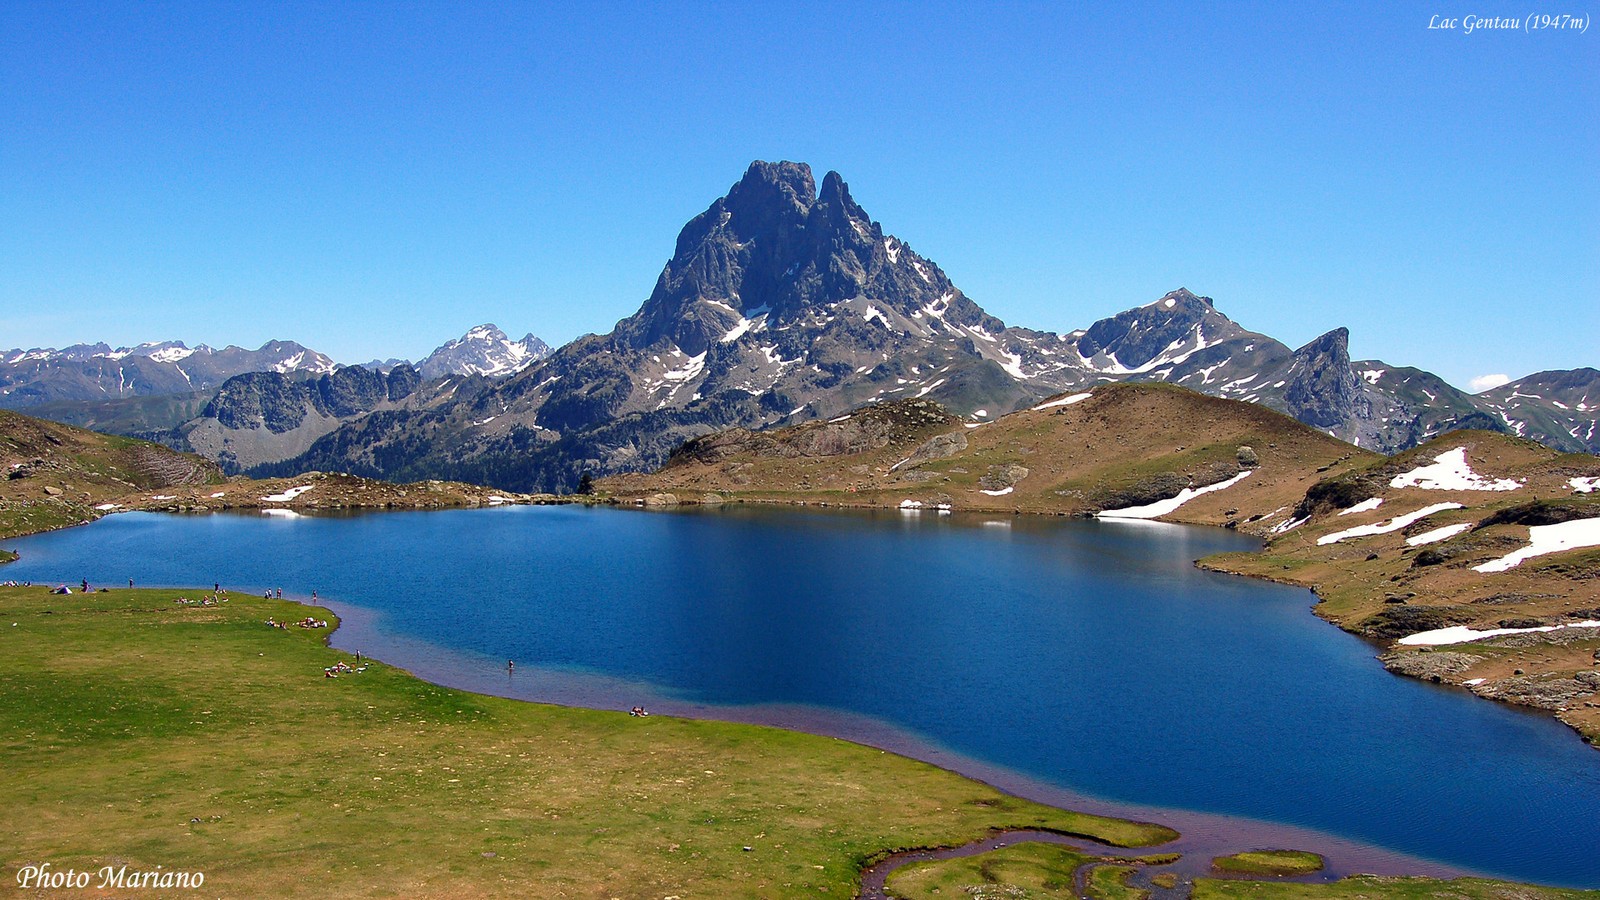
column 44, row 876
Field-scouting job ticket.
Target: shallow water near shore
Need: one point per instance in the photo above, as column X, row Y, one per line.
column 1076, row 662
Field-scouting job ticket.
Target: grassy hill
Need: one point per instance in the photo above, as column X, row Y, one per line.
column 1122, row 445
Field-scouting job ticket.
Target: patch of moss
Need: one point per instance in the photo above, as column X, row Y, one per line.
column 1367, row 887
column 1269, row 862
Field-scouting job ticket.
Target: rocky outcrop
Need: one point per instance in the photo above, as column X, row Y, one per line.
column 940, row 446
column 1322, row 389
column 1430, row 665
column 1550, row 690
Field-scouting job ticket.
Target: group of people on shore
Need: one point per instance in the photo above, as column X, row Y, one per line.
column 342, row 668
column 208, row 600
column 307, row 622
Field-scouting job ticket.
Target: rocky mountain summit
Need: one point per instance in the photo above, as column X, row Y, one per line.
column 485, row 350
column 784, row 301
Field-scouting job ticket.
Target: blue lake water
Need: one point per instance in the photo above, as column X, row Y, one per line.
column 1088, row 655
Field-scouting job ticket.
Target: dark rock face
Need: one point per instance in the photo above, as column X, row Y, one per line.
column 278, row 403
column 258, row 400
column 1399, row 621
column 1544, row 512
column 1323, row 390
column 776, row 245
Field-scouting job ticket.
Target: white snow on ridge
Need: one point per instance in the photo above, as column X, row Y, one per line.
column 689, row 370
column 1438, row 534
column 1584, row 485
column 1064, row 401
column 1460, row 634
column 1163, row 507
column 1289, row 525
column 1545, row 539
column 1372, row 375
column 172, row 354
column 1394, row 524
column 746, row 323
column 1363, row 506
column 1450, row 472
column 287, row 495
column 1000, row 493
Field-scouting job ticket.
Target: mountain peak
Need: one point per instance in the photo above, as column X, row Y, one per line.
column 1323, row 391
column 1186, row 296
column 783, row 181
column 1335, row 342
column 483, row 350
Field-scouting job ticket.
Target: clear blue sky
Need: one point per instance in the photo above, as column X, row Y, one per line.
column 373, row 179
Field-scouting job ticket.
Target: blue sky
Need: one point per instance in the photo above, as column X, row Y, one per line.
column 374, row 179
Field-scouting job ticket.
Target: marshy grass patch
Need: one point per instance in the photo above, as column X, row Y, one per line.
column 1269, row 862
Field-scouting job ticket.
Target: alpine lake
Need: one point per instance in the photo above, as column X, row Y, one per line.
column 1084, row 663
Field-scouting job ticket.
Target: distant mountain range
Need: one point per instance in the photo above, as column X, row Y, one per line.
column 155, row 387
column 784, row 301
column 96, row 372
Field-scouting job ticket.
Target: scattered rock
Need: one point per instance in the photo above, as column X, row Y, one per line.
column 1436, row 665
column 939, row 446
column 1552, row 690
column 1399, row 621
column 1001, row 477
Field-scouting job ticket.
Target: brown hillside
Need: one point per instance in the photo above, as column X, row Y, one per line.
column 53, row 476
column 1122, row 445
column 1379, row 586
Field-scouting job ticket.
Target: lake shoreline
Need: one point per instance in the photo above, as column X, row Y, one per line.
column 1202, row 834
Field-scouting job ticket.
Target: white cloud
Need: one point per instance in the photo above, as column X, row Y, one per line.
column 1485, row 382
